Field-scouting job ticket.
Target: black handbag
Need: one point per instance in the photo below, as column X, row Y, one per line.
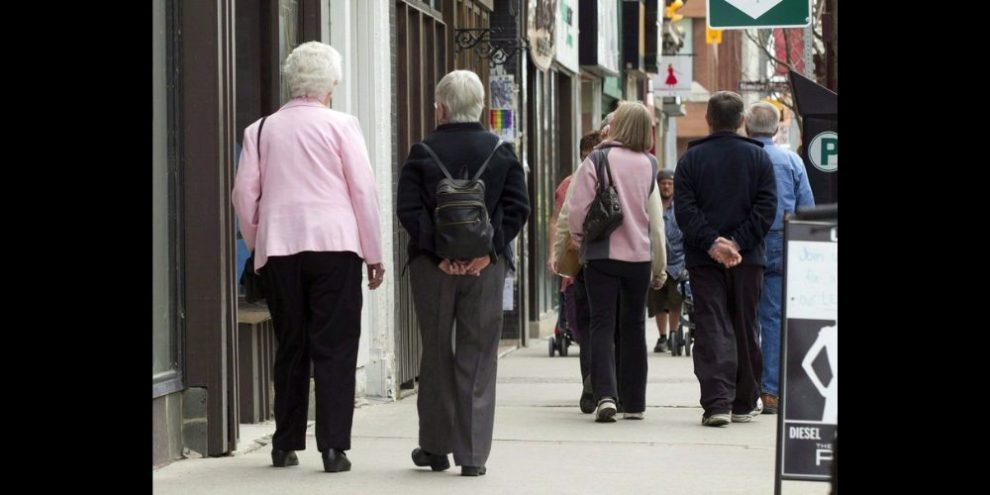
column 605, row 212
column 254, row 289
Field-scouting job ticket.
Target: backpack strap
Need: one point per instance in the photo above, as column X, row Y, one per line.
column 490, row 155
column 436, row 159
column 446, row 172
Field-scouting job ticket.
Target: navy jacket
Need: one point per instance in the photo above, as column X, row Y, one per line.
column 724, row 186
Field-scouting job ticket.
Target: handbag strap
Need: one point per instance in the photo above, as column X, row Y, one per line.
column 258, row 139
column 599, row 165
column 260, row 126
column 250, row 260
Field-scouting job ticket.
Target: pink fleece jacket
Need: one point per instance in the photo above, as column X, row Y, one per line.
column 640, row 237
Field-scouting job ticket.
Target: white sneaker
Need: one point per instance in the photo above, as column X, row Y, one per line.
column 638, row 415
column 742, row 418
column 759, row 407
column 715, row 420
column 606, row 411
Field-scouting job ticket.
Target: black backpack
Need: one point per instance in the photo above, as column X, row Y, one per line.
column 463, row 229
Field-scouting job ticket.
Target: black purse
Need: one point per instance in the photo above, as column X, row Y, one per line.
column 254, row 287
column 605, row 212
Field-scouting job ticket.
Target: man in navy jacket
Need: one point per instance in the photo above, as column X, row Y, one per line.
column 725, row 199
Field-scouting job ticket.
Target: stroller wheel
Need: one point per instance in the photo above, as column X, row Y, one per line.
column 688, row 340
column 551, row 345
column 564, row 344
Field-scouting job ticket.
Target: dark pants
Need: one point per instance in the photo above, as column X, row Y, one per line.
column 727, row 359
column 315, row 300
column 460, row 321
column 579, row 321
column 608, row 282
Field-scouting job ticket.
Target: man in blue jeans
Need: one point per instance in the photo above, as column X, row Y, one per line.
column 793, row 190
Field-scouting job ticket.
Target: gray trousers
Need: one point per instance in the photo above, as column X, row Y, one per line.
column 456, row 400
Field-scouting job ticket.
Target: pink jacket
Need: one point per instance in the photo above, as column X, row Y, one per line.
column 313, row 188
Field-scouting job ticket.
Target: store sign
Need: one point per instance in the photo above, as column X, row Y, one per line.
column 541, row 32
column 674, row 79
column 764, row 86
column 608, row 35
column 824, row 151
column 745, row 14
column 567, row 34
column 810, row 352
column 502, row 103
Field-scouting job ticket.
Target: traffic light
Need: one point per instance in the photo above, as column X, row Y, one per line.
column 670, row 11
column 713, row 36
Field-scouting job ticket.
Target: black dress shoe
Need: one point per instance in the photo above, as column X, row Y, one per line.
column 335, row 461
column 282, row 458
column 436, row 462
column 473, row 470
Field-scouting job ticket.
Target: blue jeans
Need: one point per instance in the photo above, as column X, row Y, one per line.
column 769, row 313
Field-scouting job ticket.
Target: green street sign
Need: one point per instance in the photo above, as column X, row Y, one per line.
column 745, row 14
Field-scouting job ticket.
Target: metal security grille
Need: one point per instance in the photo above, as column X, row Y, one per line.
column 421, row 59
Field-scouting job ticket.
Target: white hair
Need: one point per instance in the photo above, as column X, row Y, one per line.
column 312, row 70
column 462, row 94
column 762, row 119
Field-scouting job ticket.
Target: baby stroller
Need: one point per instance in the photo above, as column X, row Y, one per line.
column 560, row 341
column 682, row 339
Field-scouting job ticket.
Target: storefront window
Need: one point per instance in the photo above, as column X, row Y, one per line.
column 165, row 342
column 288, row 38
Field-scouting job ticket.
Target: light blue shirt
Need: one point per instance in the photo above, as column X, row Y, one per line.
column 793, row 188
column 675, row 244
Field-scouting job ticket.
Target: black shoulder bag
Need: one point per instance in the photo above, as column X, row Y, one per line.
column 254, row 289
column 605, row 212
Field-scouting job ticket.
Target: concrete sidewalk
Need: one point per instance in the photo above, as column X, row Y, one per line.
column 543, row 444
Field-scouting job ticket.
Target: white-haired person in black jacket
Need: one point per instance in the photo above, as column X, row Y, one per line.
column 456, row 400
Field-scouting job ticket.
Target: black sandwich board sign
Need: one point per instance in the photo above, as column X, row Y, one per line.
column 809, row 378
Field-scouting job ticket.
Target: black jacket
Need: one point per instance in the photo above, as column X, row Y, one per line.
column 462, row 146
column 724, row 186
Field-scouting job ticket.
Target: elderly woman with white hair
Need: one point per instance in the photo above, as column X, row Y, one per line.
column 457, row 380
column 306, row 200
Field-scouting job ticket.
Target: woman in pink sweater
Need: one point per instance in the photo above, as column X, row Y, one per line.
column 307, row 204
column 623, row 264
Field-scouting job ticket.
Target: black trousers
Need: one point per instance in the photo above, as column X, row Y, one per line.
column 582, row 321
column 315, row 300
column 583, row 318
column 608, row 282
column 727, row 357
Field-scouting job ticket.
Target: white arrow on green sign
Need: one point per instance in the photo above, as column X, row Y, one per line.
column 745, row 14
